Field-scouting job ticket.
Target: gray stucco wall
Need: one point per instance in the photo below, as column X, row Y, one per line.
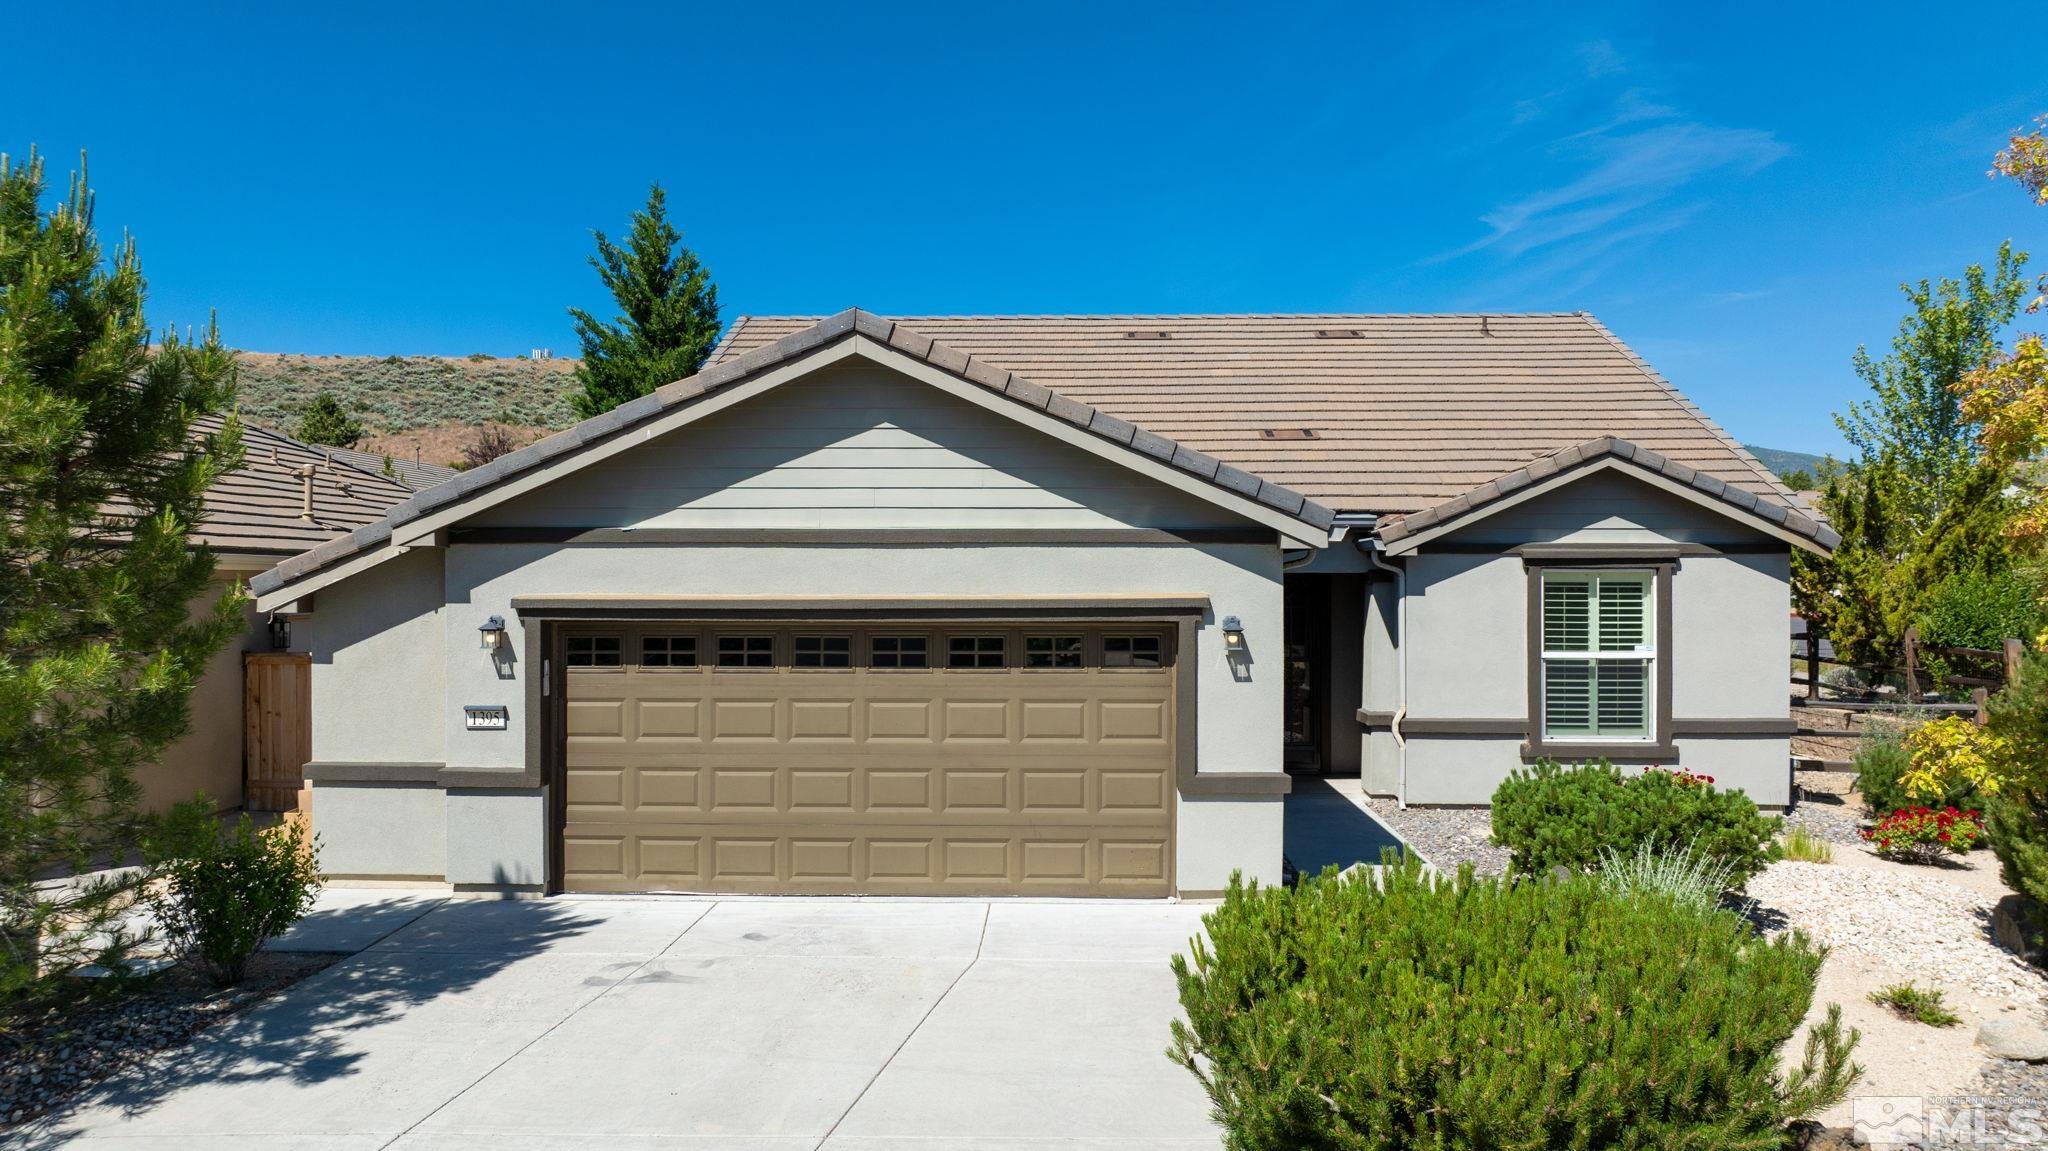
column 379, row 651
column 1468, row 657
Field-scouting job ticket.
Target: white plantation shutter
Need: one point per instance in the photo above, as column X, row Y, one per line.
column 1598, row 650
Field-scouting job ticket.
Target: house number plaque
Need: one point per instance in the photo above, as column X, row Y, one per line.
column 486, row 717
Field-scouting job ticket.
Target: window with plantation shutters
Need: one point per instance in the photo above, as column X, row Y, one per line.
column 1599, row 646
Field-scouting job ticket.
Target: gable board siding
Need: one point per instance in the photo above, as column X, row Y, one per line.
column 859, row 448
column 1607, row 507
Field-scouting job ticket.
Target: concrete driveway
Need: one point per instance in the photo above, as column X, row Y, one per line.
column 670, row 1023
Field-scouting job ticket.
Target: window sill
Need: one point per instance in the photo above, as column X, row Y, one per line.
column 1611, row 752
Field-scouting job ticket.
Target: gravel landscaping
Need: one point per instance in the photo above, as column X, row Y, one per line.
column 1917, row 923
column 1827, row 806
column 1445, row 837
column 47, row 1059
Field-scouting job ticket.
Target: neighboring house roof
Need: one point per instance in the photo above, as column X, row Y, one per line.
column 671, row 405
column 412, row 473
column 1407, row 410
column 1405, row 533
column 257, row 508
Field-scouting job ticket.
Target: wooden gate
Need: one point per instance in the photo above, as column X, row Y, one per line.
column 277, row 708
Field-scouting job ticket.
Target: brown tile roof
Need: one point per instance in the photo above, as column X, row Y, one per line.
column 1407, row 410
column 733, row 369
column 255, row 508
column 412, row 473
column 1561, row 464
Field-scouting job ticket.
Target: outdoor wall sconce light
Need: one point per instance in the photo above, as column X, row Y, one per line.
column 1233, row 634
column 493, row 632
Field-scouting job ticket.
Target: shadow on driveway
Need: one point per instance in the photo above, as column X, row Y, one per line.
column 300, row 1037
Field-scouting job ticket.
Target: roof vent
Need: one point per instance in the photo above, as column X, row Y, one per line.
column 1148, row 335
column 1339, row 334
column 1288, row 434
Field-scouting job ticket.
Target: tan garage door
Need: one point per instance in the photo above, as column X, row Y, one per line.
column 960, row 759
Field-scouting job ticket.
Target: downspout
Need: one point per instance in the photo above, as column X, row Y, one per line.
column 1369, row 546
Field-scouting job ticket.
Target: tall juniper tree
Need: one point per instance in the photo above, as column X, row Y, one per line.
column 104, row 467
column 668, row 314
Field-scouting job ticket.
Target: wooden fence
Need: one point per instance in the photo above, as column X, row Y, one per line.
column 277, row 696
column 1986, row 671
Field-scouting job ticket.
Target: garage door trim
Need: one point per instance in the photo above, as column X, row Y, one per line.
column 547, row 617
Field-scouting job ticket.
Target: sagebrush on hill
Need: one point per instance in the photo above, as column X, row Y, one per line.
column 400, row 393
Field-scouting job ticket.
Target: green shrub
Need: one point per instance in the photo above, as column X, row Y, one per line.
column 1972, row 609
column 1398, row 1010
column 234, row 887
column 1922, row 1004
column 1882, row 759
column 1549, row 815
column 2017, row 823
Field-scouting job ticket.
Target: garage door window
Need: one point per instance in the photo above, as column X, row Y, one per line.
column 899, row 651
column 594, row 651
column 974, row 651
column 746, row 651
column 1052, row 651
column 824, row 651
column 668, row 651
column 1131, row 651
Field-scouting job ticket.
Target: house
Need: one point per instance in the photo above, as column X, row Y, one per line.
column 414, row 473
column 1041, row 605
column 285, row 497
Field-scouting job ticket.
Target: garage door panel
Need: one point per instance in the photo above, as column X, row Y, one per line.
column 862, row 780
column 744, row 719
column 977, row 859
column 665, row 791
column 891, row 720
column 977, row 721
column 596, row 719
column 668, row 719
column 740, row 790
column 971, row 790
column 1063, row 721
column 598, row 788
column 822, row 860
column 1054, row 861
column 1134, row 721
column 813, row 789
column 817, row 719
column 1051, row 791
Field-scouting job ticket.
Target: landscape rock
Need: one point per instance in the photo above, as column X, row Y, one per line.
column 2015, row 924
column 2014, row 1039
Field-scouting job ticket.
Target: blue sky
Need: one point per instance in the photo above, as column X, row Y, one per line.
column 1739, row 201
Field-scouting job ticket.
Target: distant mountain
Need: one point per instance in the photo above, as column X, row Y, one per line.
column 1780, row 460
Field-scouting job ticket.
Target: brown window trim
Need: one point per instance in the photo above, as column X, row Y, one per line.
column 1659, row 748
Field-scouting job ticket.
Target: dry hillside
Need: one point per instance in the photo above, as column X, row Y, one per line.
column 415, row 407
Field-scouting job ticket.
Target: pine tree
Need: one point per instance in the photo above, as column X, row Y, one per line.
column 668, row 314
column 325, row 421
column 102, row 475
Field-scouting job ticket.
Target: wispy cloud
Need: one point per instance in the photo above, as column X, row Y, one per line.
column 1636, row 168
